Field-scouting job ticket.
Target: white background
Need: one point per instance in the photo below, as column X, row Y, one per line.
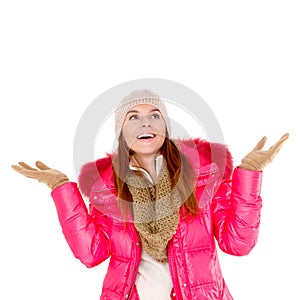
column 241, row 57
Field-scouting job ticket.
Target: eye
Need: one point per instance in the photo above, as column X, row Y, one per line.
column 155, row 116
column 133, row 117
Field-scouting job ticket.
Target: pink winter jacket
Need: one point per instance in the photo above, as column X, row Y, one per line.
column 230, row 214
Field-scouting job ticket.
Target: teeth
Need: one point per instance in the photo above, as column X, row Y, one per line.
column 146, row 135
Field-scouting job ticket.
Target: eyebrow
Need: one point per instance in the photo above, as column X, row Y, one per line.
column 137, row 111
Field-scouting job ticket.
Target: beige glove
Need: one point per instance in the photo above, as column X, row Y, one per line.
column 257, row 159
column 51, row 177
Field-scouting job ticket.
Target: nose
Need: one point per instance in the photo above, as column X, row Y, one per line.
column 145, row 122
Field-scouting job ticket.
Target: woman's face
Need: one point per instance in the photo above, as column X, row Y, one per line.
column 144, row 129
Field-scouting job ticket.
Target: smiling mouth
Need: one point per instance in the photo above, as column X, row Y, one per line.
column 146, row 136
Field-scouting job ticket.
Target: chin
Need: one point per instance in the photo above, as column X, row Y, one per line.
column 145, row 152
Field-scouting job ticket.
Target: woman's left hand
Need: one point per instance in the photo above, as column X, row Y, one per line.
column 257, row 159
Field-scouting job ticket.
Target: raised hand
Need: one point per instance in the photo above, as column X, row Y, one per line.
column 258, row 158
column 53, row 178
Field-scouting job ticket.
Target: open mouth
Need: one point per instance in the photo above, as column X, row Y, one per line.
column 146, row 136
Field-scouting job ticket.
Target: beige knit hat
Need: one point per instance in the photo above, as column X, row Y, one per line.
column 135, row 98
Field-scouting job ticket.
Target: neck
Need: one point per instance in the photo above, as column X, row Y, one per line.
column 147, row 162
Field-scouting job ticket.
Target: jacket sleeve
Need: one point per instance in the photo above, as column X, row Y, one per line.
column 86, row 234
column 236, row 212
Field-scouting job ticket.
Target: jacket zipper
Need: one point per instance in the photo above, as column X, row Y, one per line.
column 173, row 272
column 133, row 281
column 138, row 252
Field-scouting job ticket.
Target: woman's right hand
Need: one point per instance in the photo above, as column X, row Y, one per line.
column 53, row 178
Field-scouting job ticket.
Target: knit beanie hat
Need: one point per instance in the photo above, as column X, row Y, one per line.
column 135, row 98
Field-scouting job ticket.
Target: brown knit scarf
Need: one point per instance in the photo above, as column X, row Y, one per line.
column 155, row 211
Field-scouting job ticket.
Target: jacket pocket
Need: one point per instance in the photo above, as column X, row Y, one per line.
column 207, row 174
column 207, row 184
column 211, row 290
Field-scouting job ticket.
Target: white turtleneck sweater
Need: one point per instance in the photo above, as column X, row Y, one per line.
column 153, row 279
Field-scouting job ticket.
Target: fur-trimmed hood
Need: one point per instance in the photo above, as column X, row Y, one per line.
column 200, row 153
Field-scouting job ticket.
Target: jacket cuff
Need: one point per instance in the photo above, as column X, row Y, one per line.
column 246, row 182
column 68, row 200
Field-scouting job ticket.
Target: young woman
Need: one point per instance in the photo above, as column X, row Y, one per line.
column 158, row 205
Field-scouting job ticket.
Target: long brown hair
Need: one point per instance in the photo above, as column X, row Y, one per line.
column 181, row 174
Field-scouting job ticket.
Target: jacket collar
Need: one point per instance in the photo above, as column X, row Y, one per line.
column 133, row 165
